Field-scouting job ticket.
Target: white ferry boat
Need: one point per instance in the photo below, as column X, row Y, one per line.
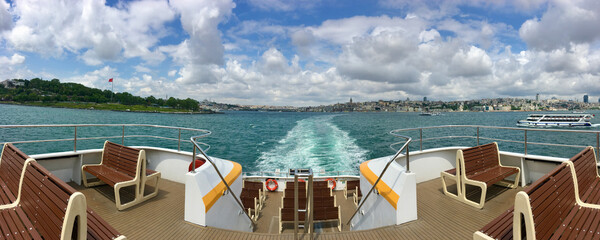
column 197, row 196
column 557, row 120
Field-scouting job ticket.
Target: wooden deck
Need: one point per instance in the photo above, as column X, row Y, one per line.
column 162, row 217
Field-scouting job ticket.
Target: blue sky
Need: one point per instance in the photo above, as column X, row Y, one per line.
column 308, row 52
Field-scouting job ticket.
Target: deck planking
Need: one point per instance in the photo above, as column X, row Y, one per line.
column 439, row 217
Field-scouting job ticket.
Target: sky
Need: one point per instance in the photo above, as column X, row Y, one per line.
column 308, row 52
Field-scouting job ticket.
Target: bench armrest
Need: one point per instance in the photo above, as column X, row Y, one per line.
column 76, row 210
column 523, row 207
column 18, row 199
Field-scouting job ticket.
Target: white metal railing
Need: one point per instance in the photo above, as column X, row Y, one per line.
column 77, row 139
column 524, row 131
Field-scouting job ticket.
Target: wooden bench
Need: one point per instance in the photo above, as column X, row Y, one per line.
column 586, row 171
column 355, row 186
column 548, row 209
column 252, row 205
column 45, row 208
column 12, row 162
column 351, row 185
column 251, row 199
column 480, row 166
column 256, row 186
column 324, row 206
column 120, row 167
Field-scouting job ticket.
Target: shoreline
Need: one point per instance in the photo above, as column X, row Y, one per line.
column 114, row 110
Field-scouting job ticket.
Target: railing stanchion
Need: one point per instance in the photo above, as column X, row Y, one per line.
column 597, row 143
column 194, row 159
column 75, row 140
column 421, row 138
column 407, row 159
column 123, row 136
column 179, row 142
column 525, row 142
column 477, row 136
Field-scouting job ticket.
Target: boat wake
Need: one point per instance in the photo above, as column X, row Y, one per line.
column 315, row 143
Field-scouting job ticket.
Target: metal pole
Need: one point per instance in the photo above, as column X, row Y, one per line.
column 123, row 136
column 525, row 142
column 597, row 143
column 421, row 137
column 477, row 136
column 407, row 159
column 75, row 141
column 296, row 205
column 310, row 207
column 194, row 160
column 179, row 142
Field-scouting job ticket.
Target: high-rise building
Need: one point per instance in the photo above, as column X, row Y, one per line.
column 586, row 98
column 424, row 99
column 537, row 97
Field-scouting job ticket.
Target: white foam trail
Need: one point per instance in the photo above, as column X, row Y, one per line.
column 315, row 143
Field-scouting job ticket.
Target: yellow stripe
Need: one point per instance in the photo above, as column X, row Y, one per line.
column 383, row 189
column 211, row 197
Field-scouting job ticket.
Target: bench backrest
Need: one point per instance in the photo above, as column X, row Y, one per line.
column 290, row 185
column 551, row 198
column 327, row 213
column 253, row 185
column 250, row 193
column 479, row 158
column 124, row 159
column 317, row 201
column 45, row 200
column 586, row 169
column 11, row 165
column 321, row 184
column 352, row 184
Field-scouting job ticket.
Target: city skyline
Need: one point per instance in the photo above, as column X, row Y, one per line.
column 306, row 53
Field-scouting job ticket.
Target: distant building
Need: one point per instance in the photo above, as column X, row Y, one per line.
column 424, row 99
column 537, row 97
column 11, row 83
column 586, row 99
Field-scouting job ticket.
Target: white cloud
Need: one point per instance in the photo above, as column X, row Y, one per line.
column 5, row 18
column 172, row 73
column 203, row 52
column 14, row 60
column 93, row 31
column 563, row 24
column 142, row 69
column 284, row 5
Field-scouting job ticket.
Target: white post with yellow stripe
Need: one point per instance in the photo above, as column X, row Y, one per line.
column 207, row 201
column 394, row 200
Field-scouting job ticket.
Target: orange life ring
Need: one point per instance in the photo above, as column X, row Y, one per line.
column 301, row 180
column 333, row 181
column 271, row 184
column 199, row 162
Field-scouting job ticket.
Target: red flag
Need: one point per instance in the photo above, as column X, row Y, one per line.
column 110, row 80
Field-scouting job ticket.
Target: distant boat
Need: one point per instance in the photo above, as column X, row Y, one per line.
column 557, row 120
column 430, row 113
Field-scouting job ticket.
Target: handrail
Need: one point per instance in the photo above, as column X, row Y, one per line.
column 525, row 131
column 408, row 140
column 193, row 140
column 75, row 138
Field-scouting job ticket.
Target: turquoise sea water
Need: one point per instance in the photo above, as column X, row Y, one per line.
column 265, row 141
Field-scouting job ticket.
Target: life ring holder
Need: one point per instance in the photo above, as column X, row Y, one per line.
column 271, row 184
column 333, row 182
